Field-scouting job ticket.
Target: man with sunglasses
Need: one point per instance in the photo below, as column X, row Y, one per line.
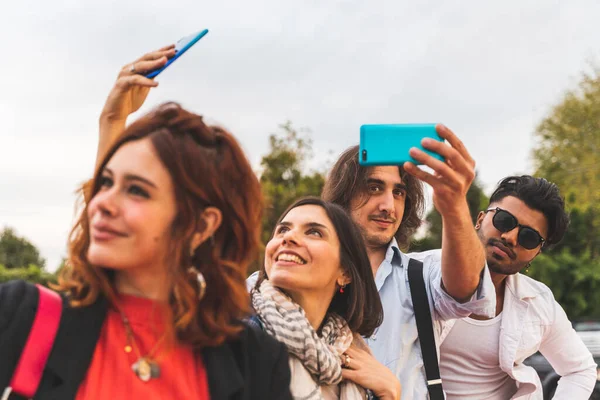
column 482, row 357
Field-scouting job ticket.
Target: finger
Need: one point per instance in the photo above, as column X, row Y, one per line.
column 142, row 67
column 158, row 54
column 129, row 81
column 350, row 374
column 348, row 362
column 438, row 166
column 455, row 142
column 167, row 47
column 355, row 353
column 451, row 155
column 418, row 173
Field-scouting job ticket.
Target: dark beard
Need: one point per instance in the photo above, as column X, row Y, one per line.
column 504, row 269
column 494, row 263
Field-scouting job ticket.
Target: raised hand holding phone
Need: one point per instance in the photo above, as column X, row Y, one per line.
column 128, row 94
column 182, row 45
column 463, row 257
column 451, row 178
column 131, row 88
column 409, row 145
column 133, row 85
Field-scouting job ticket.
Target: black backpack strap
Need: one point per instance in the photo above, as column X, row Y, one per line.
column 425, row 329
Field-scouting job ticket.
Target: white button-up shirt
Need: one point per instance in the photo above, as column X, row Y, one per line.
column 532, row 320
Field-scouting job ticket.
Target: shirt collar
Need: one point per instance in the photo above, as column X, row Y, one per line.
column 393, row 253
column 392, row 258
column 521, row 286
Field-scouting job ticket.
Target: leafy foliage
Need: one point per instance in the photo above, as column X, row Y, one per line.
column 568, row 154
column 32, row 273
column 16, row 251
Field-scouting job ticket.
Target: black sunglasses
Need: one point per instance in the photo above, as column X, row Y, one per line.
column 504, row 221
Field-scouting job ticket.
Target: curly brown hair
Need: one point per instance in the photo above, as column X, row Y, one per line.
column 208, row 168
column 348, row 179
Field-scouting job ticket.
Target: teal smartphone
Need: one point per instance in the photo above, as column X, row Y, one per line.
column 388, row 144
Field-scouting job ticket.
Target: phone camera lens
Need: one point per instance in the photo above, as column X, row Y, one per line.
column 364, row 155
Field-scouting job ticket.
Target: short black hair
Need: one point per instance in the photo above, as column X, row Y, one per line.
column 359, row 304
column 539, row 194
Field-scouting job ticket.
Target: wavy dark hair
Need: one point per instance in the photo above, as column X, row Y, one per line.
column 360, row 304
column 348, row 179
column 208, row 168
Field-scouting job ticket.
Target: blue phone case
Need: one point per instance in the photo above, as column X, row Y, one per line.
column 389, row 144
column 181, row 46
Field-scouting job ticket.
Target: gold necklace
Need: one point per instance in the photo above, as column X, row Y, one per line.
column 145, row 367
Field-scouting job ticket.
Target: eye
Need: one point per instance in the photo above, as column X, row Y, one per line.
column 315, row 232
column 281, row 229
column 105, row 182
column 399, row 193
column 374, row 189
column 138, row 191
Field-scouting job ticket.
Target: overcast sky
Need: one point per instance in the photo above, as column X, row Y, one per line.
column 488, row 70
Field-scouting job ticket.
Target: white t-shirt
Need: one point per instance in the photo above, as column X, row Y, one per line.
column 469, row 364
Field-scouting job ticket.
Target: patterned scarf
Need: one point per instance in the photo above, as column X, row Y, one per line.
column 315, row 360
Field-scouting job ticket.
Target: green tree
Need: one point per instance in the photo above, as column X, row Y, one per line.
column 32, row 273
column 568, row 149
column 568, row 154
column 284, row 177
column 574, row 280
column 20, row 259
column 16, row 251
column 477, row 201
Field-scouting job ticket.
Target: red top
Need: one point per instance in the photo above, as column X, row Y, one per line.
column 110, row 376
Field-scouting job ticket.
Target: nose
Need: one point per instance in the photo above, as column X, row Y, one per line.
column 511, row 237
column 106, row 202
column 290, row 237
column 386, row 203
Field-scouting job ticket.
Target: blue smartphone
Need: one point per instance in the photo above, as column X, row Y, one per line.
column 181, row 47
column 389, row 144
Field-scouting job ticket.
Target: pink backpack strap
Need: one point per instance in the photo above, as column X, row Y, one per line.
column 30, row 368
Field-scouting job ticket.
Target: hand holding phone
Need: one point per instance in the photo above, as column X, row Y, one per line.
column 182, row 45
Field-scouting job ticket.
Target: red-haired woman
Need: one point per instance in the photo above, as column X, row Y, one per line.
column 154, row 292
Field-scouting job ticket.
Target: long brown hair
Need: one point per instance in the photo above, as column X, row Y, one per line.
column 208, row 168
column 348, row 180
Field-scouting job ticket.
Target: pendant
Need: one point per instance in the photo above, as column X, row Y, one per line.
column 146, row 369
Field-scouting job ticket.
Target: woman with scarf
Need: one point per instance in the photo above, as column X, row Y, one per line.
column 315, row 293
